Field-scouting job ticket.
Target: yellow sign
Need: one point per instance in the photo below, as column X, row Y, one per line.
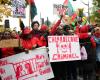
column 10, row 43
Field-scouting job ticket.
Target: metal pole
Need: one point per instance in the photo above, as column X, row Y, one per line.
column 88, row 11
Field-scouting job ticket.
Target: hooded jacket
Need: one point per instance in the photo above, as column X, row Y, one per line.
column 84, row 36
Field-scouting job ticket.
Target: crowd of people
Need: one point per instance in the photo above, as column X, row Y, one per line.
column 33, row 37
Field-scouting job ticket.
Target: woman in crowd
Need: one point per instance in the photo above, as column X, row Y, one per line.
column 88, row 66
column 7, row 51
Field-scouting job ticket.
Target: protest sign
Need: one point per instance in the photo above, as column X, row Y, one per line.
column 64, row 48
column 18, row 8
column 10, row 43
column 32, row 66
column 59, row 9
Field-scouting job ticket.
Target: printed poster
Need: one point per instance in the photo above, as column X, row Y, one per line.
column 59, row 9
column 18, row 8
column 64, row 48
column 31, row 66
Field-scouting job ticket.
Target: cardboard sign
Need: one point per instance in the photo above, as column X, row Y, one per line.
column 32, row 66
column 59, row 9
column 64, row 48
column 10, row 43
column 18, row 8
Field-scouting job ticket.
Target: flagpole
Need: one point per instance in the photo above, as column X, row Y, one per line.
column 29, row 15
column 29, row 2
column 40, row 19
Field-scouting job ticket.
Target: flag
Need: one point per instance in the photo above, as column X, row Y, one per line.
column 84, row 20
column 74, row 15
column 70, row 10
column 66, row 2
column 33, row 9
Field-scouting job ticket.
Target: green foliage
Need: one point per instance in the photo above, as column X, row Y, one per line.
column 5, row 2
column 96, row 12
column 80, row 12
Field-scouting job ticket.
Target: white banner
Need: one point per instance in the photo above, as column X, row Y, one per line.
column 32, row 66
column 64, row 48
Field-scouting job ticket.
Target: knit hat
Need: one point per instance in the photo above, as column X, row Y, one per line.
column 44, row 27
column 26, row 30
column 84, row 29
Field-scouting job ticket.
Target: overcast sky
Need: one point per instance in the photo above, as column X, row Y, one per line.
column 45, row 7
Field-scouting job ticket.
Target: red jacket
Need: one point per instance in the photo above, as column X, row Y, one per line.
column 29, row 43
column 42, row 42
column 54, row 28
column 7, row 52
column 83, row 34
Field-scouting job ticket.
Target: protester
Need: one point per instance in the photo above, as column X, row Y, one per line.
column 96, row 35
column 35, row 29
column 10, row 50
column 14, row 34
column 70, row 66
column 56, row 66
column 88, row 42
column 43, row 41
column 28, row 40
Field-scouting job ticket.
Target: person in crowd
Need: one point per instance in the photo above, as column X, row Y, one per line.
column 44, row 31
column 70, row 67
column 35, row 29
column 56, row 66
column 55, row 26
column 7, row 51
column 96, row 35
column 88, row 66
column 14, row 34
column 43, row 36
column 64, row 70
column 28, row 40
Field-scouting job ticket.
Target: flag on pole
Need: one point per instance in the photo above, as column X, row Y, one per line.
column 33, row 9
